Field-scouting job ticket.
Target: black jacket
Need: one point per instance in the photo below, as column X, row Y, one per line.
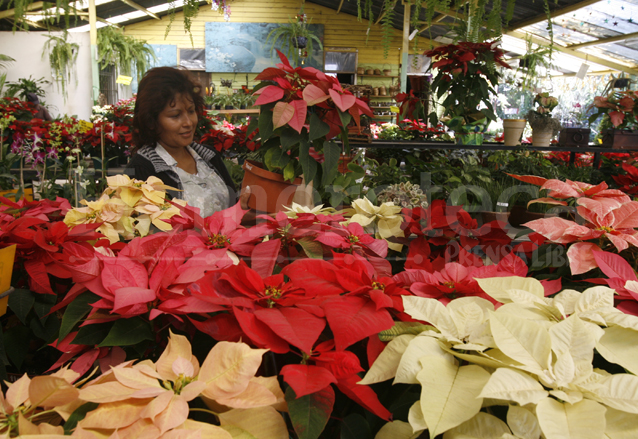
column 146, row 163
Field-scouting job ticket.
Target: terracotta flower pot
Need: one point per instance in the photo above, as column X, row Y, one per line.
column 269, row 191
column 512, row 131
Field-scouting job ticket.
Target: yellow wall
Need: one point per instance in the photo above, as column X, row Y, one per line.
column 340, row 30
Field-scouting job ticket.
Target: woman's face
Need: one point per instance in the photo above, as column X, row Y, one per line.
column 177, row 123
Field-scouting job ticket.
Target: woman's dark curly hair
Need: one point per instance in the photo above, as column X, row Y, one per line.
column 158, row 88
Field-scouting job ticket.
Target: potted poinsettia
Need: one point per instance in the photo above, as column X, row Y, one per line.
column 302, row 112
column 619, row 126
column 466, row 77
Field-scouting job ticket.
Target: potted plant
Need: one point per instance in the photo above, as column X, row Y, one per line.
column 466, row 76
column 544, row 126
column 619, row 125
column 295, row 38
column 301, row 111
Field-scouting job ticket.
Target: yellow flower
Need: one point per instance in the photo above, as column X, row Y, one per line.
column 387, row 219
column 131, row 191
column 158, row 213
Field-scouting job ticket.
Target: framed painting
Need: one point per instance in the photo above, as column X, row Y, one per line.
column 241, row 47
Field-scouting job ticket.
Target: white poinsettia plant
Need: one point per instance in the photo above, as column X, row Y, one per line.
column 552, row 362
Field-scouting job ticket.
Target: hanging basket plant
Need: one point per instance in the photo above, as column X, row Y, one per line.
column 62, row 57
column 113, row 47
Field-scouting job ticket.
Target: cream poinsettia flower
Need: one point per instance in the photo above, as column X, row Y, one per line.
column 157, row 214
column 131, row 190
column 154, row 396
column 295, row 208
column 385, row 219
column 106, row 210
column 54, row 391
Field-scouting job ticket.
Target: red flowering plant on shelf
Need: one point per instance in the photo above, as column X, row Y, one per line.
column 618, row 108
column 302, row 109
column 466, row 74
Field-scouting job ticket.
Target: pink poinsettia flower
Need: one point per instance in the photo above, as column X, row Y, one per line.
column 616, row 224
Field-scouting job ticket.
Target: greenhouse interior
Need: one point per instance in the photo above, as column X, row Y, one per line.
column 304, row 219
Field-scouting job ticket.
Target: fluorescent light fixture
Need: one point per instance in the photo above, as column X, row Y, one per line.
column 413, row 34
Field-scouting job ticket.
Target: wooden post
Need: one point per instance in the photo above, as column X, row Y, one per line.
column 95, row 71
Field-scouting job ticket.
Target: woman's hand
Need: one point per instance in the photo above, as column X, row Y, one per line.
column 244, row 197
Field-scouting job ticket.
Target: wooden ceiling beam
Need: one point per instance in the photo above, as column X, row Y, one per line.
column 556, row 13
column 604, row 40
column 339, row 8
column 595, row 59
column 11, row 12
column 146, row 11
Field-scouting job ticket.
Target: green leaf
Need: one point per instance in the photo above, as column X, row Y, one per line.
column 75, row 312
column 46, row 329
column 331, row 153
column 127, row 332
column 309, row 414
column 318, row 128
column 313, row 249
column 21, row 302
column 357, row 171
column 78, row 415
column 265, row 125
column 92, row 334
column 43, row 304
column 355, row 426
column 308, row 164
column 289, row 137
column 289, row 171
column 276, row 158
column 16, row 343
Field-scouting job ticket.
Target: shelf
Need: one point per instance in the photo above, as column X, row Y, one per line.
column 237, row 111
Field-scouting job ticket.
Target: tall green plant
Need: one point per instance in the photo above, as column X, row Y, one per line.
column 62, row 56
column 26, row 85
column 113, row 47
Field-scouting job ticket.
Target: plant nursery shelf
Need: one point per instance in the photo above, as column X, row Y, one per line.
column 491, row 146
column 236, row 111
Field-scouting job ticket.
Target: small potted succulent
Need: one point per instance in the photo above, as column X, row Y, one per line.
column 544, row 126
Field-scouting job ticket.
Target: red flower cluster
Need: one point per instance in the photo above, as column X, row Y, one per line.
column 454, row 58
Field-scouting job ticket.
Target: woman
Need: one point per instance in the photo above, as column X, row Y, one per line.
column 164, row 121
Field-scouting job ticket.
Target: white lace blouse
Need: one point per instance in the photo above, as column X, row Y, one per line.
column 205, row 190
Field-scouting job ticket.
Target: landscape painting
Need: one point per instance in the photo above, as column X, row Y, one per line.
column 241, row 47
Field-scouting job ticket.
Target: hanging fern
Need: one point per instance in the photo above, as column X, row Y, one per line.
column 113, row 47
column 509, row 11
column 386, row 26
column 190, row 11
column 52, row 13
column 62, row 56
column 4, row 60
